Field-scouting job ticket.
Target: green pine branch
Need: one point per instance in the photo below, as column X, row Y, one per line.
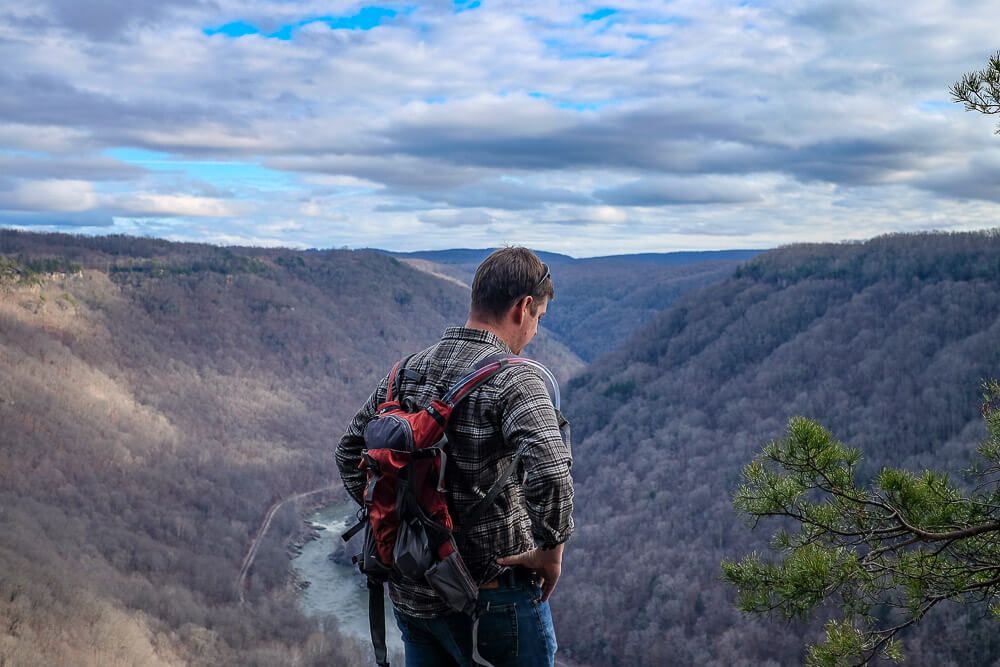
column 892, row 550
column 980, row 90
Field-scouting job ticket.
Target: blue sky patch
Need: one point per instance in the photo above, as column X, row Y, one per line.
column 569, row 52
column 233, row 29
column 466, row 5
column 19, row 152
column 229, row 175
column 667, row 20
column 571, row 105
column 599, row 14
column 366, row 18
column 136, row 155
column 641, row 37
column 935, row 105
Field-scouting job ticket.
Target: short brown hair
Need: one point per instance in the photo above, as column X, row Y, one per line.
column 507, row 275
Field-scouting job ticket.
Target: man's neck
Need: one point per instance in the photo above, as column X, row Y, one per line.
column 473, row 323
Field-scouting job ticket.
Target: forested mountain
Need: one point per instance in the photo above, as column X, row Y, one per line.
column 885, row 343
column 600, row 301
column 154, row 399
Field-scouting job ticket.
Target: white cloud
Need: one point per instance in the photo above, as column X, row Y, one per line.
column 769, row 124
column 153, row 205
column 62, row 196
column 609, row 214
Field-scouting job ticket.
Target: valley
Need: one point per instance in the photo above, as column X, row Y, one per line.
column 157, row 398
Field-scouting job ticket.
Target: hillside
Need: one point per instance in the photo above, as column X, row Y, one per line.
column 600, row 301
column 156, row 398
column 884, row 342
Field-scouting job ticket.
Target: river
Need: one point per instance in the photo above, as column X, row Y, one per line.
column 337, row 590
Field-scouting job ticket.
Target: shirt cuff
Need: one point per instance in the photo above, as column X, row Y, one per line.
column 552, row 540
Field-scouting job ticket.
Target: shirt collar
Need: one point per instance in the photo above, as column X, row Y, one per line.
column 477, row 335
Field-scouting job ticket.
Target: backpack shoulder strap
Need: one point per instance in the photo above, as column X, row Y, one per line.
column 468, row 382
column 399, row 370
column 392, row 387
column 551, row 384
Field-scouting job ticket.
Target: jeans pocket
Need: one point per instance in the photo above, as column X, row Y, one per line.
column 497, row 638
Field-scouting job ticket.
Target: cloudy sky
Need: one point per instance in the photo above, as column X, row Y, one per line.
column 569, row 126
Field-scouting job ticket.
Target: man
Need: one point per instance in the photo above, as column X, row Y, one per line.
column 514, row 551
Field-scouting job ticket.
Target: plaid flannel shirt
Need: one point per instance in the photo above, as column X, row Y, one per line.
column 510, row 412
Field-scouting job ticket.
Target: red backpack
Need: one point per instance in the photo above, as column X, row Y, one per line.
column 409, row 531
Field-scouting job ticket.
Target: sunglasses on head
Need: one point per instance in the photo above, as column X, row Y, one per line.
column 542, row 280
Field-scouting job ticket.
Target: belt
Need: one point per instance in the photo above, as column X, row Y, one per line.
column 509, row 578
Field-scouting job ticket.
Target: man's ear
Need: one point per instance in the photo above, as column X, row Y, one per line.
column 521, row 309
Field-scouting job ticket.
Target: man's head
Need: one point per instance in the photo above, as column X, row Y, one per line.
column 510, row 294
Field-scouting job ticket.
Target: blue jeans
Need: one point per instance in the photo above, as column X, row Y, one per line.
column 515, row 630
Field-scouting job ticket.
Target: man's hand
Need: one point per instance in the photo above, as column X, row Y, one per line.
column 546, row 564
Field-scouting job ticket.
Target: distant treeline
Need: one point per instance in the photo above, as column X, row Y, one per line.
column 227, row 264
column 21, row 269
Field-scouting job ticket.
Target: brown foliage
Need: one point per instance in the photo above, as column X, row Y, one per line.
column 149, row 417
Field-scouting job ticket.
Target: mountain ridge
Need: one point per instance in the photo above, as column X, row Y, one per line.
column 159, row 396
column 884, row 342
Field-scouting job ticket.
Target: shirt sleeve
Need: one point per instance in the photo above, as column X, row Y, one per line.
column 348, row 452
column 529, row 424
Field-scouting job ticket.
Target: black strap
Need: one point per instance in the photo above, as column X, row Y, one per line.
column 408, row 507
column 370, row 488
column 412, row 375
column 376, row 621
column 353, row 530
column 438, row 417
column 470, row 518
column 397, row 377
